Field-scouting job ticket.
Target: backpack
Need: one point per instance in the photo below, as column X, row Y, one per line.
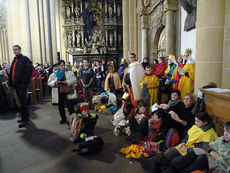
column 172, row 138
column 91, row 146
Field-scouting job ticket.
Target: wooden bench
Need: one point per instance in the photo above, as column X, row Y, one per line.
column 218, row 105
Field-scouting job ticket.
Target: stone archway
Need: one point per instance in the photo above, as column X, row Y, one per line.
column 161, row 49
column 159, row 44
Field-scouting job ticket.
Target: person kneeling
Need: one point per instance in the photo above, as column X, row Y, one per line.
column 82, row 125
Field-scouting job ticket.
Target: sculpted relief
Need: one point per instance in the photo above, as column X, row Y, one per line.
column 190, row 6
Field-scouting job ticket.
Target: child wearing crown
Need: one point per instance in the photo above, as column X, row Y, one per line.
column 186, row 84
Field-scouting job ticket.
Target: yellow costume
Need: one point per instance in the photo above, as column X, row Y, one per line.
column 197, row 135
column 151, row 85
column 133, row 151
column 186, row 84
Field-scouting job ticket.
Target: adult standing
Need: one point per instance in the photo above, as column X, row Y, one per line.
column 20, row 76
column 87, row 76
column 64, row 77
column 133, row 77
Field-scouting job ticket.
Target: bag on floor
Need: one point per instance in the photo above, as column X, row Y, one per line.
column 91, row 146
column 172, row 138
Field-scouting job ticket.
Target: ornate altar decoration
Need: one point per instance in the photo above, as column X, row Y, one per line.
column 93, row 28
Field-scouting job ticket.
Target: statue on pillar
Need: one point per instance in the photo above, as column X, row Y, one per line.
column 78, row 40
column 190, row 6
column 110, row 11
column 68, row 12
column 70, row 39
column 115, row 37
column 119, row 11
column 111, row 39
column 77, row 12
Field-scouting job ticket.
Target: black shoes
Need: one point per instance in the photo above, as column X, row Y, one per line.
column 22, row 123
column 63, row 121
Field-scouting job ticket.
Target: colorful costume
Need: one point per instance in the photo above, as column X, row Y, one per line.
column 152, row 84
column 186, row 84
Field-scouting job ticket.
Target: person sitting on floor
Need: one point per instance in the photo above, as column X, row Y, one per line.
column 178, row 158
column 139, row 123
column 184, row 118
column 82, row 125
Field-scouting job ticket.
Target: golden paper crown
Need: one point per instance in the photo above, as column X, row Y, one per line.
column 172, row 57
column 123, row 60
column 181, row 56
column 188, row 51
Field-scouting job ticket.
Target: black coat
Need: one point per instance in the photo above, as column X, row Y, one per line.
column 23, row 71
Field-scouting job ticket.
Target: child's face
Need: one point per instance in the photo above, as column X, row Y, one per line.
column 148, row 71
column 142, row 109
column 85, row 113
column 227, row 134
column 155, row 117
column 200, row 123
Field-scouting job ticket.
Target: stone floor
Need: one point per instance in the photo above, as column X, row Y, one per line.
column 44, row 146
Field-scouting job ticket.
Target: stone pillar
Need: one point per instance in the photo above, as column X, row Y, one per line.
column 58, row 30
column 25, row 29
column 209, row 42
column 1, row 47
column 144, row 36
column 42, row 32
column 5, row 44
column 53, row 30
column 169, row 32
column 125, row 6
column 131, row 26
column 226, row 52
column 48, row 40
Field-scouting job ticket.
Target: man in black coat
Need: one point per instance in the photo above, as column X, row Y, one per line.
column 20, row 76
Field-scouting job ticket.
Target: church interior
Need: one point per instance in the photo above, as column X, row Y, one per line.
column 105, row 30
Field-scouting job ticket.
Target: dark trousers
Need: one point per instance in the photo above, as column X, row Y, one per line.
column 184, row 164
column 99, row 84
column 21, row 91
column 62, row 100
column 88, row 94
column 141, row 128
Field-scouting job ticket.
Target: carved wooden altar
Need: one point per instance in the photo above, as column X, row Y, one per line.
column 93, row 27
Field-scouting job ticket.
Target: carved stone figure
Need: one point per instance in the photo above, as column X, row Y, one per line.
column 118, row 11
column 111, row 39
column 77, row 12
column 78, row 40
column 94, row 49
column 70, row 39
column 110, row 11
column 119, row 38
column 190, row 6
column 84, row 50
column 68, row 12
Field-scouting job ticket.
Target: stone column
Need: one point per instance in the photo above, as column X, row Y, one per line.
column 144, row 36
column 5, row 44
column 226, row 52
column 1, row 47
column 42, row 32
column 209, row 42
column 125, row 6
column 58, row 30
column 131, row 25
column 169, row 32
column 53, row 30
column 47, row 27
column 25, row 29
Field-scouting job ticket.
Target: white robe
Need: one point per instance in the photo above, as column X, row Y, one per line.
column 136, row 72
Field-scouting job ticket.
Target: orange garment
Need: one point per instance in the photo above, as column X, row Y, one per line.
column 14, row 69
column 134, row 102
